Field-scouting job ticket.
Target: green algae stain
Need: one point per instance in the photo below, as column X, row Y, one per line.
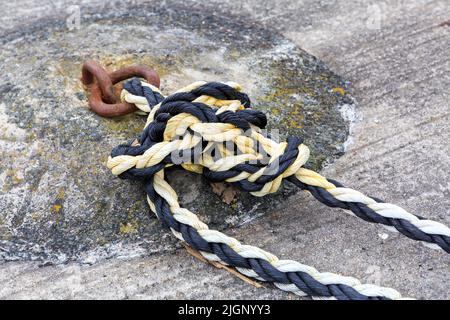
column 131, row 124
column 302, row 104
column 56, row 208
column 13, row 178
column 339, row 90
column 132, row 225
column 128, row 228
column 57, row 205
column 162, row 65
column 283, row 107
column 278, row 93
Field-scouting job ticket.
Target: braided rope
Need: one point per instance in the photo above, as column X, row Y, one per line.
column 209, row 128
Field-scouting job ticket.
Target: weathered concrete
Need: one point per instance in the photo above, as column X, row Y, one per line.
column 59, row 202
column 398, row 62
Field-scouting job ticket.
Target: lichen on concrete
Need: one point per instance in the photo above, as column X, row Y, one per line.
column 58, row 201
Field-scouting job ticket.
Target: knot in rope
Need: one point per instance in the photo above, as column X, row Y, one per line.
column 209, row 128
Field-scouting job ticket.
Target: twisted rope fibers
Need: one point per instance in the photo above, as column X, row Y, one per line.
column 194, row 124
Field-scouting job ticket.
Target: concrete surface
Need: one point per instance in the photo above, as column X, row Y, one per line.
column 395, row 53
column 59, row 201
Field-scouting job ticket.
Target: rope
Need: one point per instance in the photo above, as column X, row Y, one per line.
column 209, row 128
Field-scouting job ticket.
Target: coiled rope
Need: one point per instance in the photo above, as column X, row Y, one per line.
column 194, row 128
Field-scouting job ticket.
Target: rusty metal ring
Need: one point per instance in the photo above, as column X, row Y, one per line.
column 135, row 71
column 97, row 97
column 91, row 71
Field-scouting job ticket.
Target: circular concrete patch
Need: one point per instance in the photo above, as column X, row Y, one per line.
column 58, row 202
